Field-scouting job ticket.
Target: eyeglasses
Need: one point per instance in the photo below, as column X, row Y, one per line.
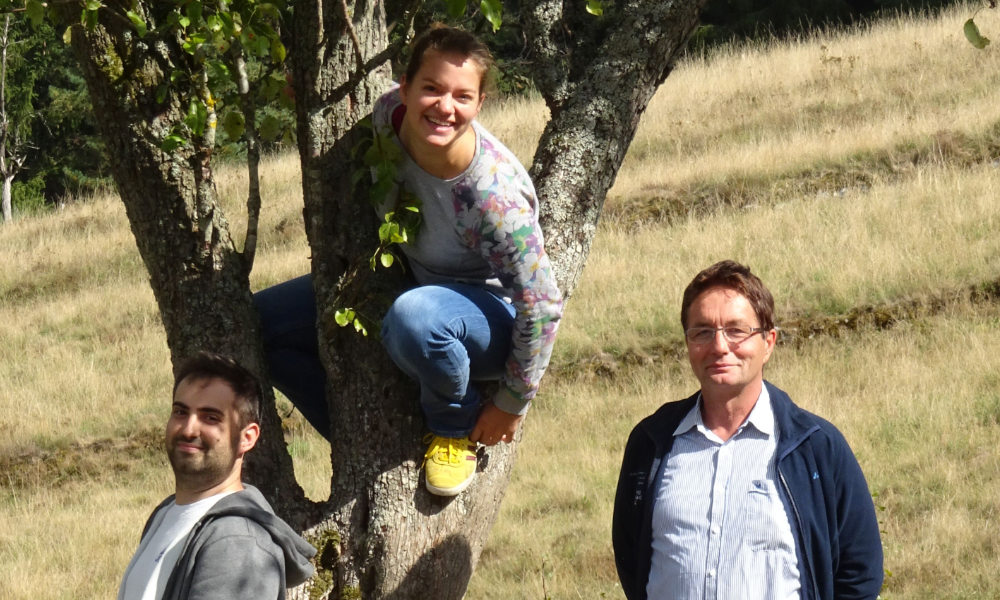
column 733, row 335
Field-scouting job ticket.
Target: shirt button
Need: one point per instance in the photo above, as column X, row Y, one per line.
column 711, row 572
column 715, row 530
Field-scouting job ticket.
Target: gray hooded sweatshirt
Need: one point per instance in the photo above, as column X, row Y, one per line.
column 239, row 549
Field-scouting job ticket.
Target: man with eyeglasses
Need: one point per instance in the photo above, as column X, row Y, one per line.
column 737, row 493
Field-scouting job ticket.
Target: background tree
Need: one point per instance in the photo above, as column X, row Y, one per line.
column 16, row 112
column 49, row 111
column 150, row 66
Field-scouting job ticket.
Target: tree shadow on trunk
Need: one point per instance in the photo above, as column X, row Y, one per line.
column 451, row 560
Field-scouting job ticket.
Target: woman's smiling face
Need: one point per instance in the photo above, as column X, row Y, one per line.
column 441, row 102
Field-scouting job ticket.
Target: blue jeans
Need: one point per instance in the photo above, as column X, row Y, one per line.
column 442, row 336
column 288, row 331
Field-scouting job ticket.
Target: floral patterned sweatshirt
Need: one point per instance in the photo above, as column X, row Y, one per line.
column 481, row 228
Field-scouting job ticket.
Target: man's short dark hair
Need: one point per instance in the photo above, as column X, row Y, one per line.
column 246, row 387
column 731, row 274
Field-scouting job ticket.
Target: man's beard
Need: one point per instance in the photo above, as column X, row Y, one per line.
column 203, row 469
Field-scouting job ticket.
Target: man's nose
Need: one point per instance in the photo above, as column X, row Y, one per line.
column 189, row 427
column 719, row 342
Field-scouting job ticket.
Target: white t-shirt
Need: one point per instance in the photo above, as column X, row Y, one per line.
column 154, row 560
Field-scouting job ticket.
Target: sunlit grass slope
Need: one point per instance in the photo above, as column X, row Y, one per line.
column 848, row 170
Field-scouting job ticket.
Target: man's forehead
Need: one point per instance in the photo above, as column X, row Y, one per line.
column 731, row 299
column 201, row 393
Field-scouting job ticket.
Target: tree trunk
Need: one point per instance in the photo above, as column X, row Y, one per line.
column 7, row 174
column 389, row 537
column 597, row 76
column 198, row 277
column 5, row 199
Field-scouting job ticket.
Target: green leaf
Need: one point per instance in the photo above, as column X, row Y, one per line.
column 172, row 142
column 270, row 10
column 455, row 8
column 277, row 51
column 197, row 114
column 595, row 7
column 193, row 43
column 972, row 34
column 270, row 129
column 343, row 317
column 492, row 10
column 229, row 26
column 35, row 11
column 161, row 93
column 194, row 11
column 218, row 69
column 138, row 22
column 92, row 4
column 386, row 259
column 386, row 231
column 360, row 327
column 380, row 191
column 372, row 156
column 234, row 125
column 214, row 23
column 68, row 36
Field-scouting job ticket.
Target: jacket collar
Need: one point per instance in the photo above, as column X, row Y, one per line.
column 794, row 424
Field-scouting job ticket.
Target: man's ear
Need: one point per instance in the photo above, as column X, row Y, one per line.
column 249, row 437
column 770, row 339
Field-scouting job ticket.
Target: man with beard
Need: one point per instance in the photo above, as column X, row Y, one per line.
column 215, row 537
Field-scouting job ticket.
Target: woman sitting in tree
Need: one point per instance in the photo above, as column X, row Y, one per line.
column 486, row 305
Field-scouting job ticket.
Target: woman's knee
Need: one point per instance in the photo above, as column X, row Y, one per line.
column 413, row 317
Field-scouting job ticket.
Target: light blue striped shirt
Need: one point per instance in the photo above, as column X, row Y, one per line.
column 720, row 529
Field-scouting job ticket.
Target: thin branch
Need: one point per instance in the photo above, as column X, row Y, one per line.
column 249, row 109
column 390, row 52
column 354, row 35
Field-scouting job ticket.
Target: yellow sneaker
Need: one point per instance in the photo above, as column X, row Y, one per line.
column 449, row 465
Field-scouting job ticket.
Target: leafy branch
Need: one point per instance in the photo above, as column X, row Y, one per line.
column 971, row 30
column 378, row 158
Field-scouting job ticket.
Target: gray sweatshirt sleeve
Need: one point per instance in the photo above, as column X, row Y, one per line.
column 238, row 566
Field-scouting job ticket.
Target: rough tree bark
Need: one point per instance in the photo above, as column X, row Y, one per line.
column 597, row 77
column 380, row 534
column 199, row 278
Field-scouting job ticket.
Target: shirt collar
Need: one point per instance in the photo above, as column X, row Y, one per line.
column 761, row 416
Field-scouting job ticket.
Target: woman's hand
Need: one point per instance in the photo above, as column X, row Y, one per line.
column 495, row 425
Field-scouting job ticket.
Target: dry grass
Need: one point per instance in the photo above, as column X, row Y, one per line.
column 819, row 255
column 797, row 106
column 83, row 356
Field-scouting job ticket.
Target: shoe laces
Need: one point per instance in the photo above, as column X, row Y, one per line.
column 445, row 449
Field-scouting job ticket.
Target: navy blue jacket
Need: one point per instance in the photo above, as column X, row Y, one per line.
column 825, row 494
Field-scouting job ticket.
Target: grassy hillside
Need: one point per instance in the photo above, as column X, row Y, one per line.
column 858, row 174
